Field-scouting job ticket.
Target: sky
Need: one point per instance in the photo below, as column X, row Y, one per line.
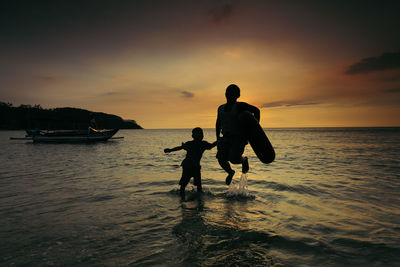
column 166, row 64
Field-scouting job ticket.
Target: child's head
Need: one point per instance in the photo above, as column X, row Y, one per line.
column 232, row 93
column 197, row 134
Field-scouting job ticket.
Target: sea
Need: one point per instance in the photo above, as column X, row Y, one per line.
column 330, row 198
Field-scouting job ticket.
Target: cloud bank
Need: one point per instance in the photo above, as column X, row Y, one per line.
column 187, row 94
column 392, row 91
column 380, row 63
column 221, row 12
column 288, row 103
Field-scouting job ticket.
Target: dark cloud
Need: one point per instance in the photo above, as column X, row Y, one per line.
column 45, row 78
column 110, row 94
column 187, row 94
column 392, row 91
column 382, row 62
column 221, row 12
column 289, row 103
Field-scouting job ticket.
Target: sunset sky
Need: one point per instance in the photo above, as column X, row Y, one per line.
column 166, row 64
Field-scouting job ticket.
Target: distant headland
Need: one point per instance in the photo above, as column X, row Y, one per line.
column 29, row 117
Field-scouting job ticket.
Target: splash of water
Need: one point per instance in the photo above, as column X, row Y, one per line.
column 239, row 189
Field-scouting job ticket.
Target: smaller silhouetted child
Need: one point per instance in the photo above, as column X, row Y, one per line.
column 191, row 164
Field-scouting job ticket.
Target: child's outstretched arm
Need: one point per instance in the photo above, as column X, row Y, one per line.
column 214, row 144
column 211, row 146
column 168, row 150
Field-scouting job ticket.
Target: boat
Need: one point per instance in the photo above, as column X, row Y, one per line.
column 62, row 136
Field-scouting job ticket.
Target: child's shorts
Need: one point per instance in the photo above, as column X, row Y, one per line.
column 231, row 148
column 188, row 173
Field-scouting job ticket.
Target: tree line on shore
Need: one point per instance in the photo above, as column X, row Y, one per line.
column 30, row 117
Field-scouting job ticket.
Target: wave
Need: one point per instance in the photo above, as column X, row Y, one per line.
column 100, row 198
column 228, row 194
column 156, row 183
column 300, row 189
column 221, row 245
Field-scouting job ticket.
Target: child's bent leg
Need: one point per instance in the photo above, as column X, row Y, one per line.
column 197, row 181
column 224, row 148
column 183, row 182
column 236, row 154
column 223, row 155
column 225, row 165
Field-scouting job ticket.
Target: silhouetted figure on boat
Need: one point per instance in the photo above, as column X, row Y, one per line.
column 93, row 127
column 233, row 141
column 191, row 164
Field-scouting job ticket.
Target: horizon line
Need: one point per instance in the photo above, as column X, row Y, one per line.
column 284, row 127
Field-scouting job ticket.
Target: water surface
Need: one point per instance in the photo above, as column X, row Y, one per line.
column 331, row 198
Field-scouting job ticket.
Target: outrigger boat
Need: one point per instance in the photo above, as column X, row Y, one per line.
column 68, row 136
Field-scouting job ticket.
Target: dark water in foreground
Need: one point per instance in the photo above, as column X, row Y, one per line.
column 331, row 198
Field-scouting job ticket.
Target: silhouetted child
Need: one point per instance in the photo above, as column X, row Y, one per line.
column 191, row 164
column 231, row 145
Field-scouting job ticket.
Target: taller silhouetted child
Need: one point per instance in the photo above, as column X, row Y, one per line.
column 232, row 143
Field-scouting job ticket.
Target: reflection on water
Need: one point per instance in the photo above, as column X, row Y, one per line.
column 330, row 198
column 224, row 241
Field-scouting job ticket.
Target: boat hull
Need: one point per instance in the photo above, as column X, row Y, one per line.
column 59, row 137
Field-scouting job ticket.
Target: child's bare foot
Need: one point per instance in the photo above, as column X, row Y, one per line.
column 229, row 177
column 245, row 165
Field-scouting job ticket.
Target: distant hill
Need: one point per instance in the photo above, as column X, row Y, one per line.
column 30, row 117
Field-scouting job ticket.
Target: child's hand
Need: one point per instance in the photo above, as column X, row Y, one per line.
column 167, row 150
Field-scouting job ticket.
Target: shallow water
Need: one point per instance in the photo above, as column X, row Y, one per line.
column 331, row 198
